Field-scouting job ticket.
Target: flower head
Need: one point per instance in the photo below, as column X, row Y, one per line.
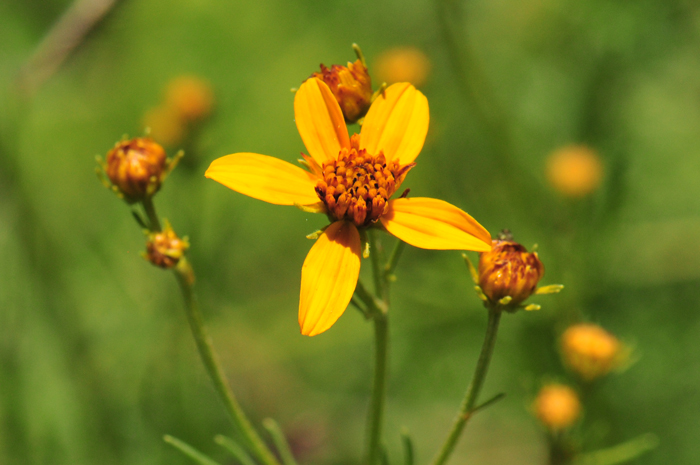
column 590, row 351
column 164, row 248
column 190, row 97
column 403, row 64
column 508, row 271
column 575, row 171
column 136, row 167
column 351, row 86
column 352, row 180
column 557, row 406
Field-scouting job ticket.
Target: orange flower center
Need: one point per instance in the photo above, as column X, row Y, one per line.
column 357, row 186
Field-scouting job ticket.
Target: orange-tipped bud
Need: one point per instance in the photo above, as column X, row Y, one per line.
column 509, row 273
column 164, row 248
column 575, row 171
column 405, row 64
column 557, row 406
column 190, row 97
column 590, row 351
column 351, row 86
column 136, row 168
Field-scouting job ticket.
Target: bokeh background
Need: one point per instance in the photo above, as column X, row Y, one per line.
column 96, row 360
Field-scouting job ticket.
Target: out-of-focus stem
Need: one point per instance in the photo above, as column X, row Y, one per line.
column 185, row 278
column 472, row 395
column 375, row 419
column 150, row 210
column 64, row 37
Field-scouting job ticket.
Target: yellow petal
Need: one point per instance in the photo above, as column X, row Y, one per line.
column 435, row 224
column 265, row 178
column 329, row 277
column 396, row 123
column 320, row 121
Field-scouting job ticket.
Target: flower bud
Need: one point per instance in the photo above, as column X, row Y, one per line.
column 165, row 125
column 136, row 168
column 590, row 351
column 405, row 64
column 351, row 86
column 509, row 272
column 164, row 248
column 575, row 171
column 190, row 97
column 557, row 406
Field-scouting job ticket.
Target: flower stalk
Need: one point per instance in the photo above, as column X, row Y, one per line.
column 468, row 406
column 185, row 278
column 149, row 208
column 379, row 311
column 184, row 274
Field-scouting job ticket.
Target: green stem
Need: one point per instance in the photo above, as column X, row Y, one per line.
column 471, row 397
column 375, row 419
column 380, row 308
column 393, row 260
column 185, row 278
column 379, row 287
column 150, row 210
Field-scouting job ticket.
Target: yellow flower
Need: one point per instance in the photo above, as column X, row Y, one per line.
column 189, row 97
column 351, row 180
column 557, row 406
column 403, row 64
column 590, row 351
column 575, row 171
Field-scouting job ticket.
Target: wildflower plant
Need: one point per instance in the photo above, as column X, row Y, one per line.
column 357, row 182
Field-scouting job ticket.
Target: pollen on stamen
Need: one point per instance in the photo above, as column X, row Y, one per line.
column 357, row 186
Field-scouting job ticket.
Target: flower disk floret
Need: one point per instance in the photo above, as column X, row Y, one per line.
column 357, row 186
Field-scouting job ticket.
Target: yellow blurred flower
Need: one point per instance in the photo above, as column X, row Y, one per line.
column 509, row 270
column 190, row 97
column 351, row 180
column 575, row 170
column 165, row 125
column 557, row 406
column 590, row 351
column 351, row 86
column 404, row 64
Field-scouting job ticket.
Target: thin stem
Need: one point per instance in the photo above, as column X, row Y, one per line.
column 63, row 38
column 394, row 259
column 375, row 417
column 376, row 271
column 150, row 209
column 185, row 278
column 280, row 440
column 472, row 395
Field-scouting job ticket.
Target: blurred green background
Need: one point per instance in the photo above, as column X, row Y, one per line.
column 96, row 359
